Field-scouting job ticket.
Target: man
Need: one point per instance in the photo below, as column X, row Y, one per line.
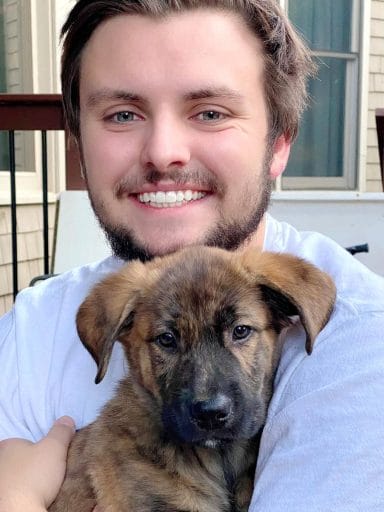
column 184, row 112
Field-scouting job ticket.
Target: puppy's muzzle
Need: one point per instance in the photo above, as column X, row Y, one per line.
column 213, row 413
column 195, row 420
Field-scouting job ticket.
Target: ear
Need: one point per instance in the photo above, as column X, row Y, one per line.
column 292, row 286
column 107, row 312
column 280, row 155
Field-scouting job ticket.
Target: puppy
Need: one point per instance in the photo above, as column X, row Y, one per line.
column 201, row 332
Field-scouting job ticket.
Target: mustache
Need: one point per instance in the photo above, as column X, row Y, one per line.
column 200, row 178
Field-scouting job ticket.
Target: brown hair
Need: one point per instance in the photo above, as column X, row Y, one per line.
column 287, row 60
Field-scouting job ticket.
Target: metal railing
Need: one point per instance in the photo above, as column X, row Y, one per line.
column 37, row 112
column 380, row 139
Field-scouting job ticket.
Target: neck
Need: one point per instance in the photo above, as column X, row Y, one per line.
column 256, row 241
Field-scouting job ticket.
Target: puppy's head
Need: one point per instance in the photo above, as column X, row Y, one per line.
column 201, row 333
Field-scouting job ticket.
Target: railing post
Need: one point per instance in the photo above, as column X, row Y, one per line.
column 12, row 170
column 380, row 139
column 44, row 171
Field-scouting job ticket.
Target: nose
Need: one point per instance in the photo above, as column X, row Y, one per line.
column 166, row 144
column 213, row 413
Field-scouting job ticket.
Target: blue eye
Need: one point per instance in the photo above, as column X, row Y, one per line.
column 167, row 340
column 241, row 332
column 124, row 117
column 211, row 115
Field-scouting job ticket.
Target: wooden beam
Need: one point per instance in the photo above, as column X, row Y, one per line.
column 41, row 112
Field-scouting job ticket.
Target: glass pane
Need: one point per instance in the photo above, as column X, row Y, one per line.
column 325, row 24
column 318, row 150
column 4, row 166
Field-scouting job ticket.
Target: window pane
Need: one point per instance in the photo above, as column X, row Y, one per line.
column 4, row 165
column 319, row 149
column 325, row 24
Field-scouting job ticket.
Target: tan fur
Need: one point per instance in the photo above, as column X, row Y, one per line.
column 127, row 460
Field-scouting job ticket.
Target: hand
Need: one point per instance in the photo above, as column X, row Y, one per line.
column 31, row 474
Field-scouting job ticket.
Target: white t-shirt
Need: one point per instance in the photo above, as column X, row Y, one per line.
column 322, row 448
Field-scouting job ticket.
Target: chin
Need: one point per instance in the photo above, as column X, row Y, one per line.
column 163, row 249
column 125, row 244
column 167, row 242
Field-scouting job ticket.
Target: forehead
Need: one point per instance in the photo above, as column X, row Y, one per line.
column 185, row 51
column 201, row 291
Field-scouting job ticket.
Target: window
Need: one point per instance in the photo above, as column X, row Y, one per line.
column 15, row 75
column 28, row 65
column 325, row 152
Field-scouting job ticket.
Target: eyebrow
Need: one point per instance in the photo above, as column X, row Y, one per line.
column 106, row 94
column 214, row 92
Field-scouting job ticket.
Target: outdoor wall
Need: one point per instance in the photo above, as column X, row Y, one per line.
column 348, row 219
column 30, row 248
column 376, row 94
column 12, row 45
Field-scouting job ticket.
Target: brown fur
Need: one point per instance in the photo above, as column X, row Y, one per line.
column 152, row 449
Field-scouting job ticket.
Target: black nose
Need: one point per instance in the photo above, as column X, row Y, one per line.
column 213, row 413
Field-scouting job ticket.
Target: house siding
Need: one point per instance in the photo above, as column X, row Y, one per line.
column 30, row 248
column 376, row 94
column 13, row 46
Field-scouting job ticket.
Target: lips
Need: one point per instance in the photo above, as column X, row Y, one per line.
column 170, row 198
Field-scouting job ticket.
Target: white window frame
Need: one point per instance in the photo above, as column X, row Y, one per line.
column 355, row 134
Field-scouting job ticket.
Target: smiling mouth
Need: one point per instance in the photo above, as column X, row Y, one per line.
column 170, row 199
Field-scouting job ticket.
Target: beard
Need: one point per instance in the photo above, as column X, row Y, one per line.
column 226, row 234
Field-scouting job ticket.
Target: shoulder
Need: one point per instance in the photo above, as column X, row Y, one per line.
column 359, row 289
column 73, row 284
column 51, row 305
column 353, row 334
column 44, row 315
column 60, row 295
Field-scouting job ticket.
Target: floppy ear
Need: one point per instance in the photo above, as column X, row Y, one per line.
column 107, row 312
column 292, row 286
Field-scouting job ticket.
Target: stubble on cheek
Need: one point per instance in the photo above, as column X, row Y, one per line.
column 237, row 218
column 232, row 231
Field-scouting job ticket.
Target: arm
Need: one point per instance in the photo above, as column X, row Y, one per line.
column 31, row 473
column 322, row 447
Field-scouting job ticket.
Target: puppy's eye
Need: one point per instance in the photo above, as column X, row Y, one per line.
column 167, row 340
column 241, row 332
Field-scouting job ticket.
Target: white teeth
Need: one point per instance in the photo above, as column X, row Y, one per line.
column 160, row 197
column 171, row 198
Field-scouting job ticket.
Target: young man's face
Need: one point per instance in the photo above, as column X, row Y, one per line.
column 174, row 130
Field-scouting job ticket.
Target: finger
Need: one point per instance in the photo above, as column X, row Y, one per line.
column 62, row 430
